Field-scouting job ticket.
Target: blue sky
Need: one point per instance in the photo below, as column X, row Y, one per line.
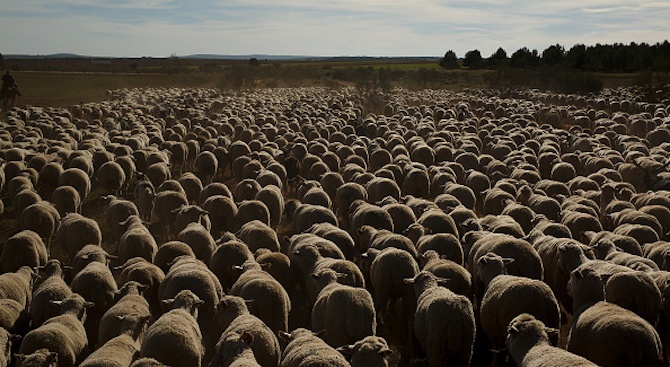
column 160, row 28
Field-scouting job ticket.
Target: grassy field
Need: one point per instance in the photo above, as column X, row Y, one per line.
column 66, row 89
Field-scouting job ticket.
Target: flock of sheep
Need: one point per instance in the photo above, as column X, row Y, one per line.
column 185, row 228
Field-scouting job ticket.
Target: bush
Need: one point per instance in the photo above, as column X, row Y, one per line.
column 548, row 78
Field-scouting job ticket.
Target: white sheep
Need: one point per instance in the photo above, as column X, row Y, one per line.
column 444, row 322
column 528, row 344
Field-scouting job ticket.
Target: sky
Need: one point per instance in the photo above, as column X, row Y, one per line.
column 160, row 28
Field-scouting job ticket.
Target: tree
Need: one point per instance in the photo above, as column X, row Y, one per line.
column 473, row 59
column 553, row 55
column 449, row 61
column 498, row 59
column 525, row 59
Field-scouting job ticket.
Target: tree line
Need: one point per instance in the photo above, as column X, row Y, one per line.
column 614, row 58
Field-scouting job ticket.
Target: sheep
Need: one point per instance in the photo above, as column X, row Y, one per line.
column 527, row 261
column 607, row 250
column 6, row 340
column 78, row 179
column 158, row 173
column 76, row 231
column 23, row 199
column 111, row 177
column 311, row 261
column 214, row 188
column 192, row 186
column 306, row 349
column 304, row 216
column 236, row 351
column 272, row 197
column 165, row 204
column 200, row 240
column 460, row 280
column 278, row 265
column 41, row 218
column 507, row 296
column 362, row 213
column 140, row 270
column 659, row 253
column 273, row 303
column 325, row 247
column 447, row 341
column 622, row 337
column 634, row 216
column 66, row 200
column 39, row 358
column 256, row 234
column 579, row 222
column 345, row 196
column 528, row 343
column 13, row 317
column 338, row 236
column 18, row 285
column 131, row 302
column 169, row 251
column 401, row 214
column 642, row 233
column 627, row 243
column 445, row 244
column 96, row 284
column 372, row 351
column 63, row 334
column 118, row 210
column 87, row 255
column 136, row 240
column 147, row 362
column 637, row 292
column 317, row 196
column 437, row 221
column 249, row 210
column 51, row 288
column 237, row 320
column 121, row 350
column 179, row 329
column 381, row 239
column 345, row 314
column 25, row 248
column 222, row 212
column 144, row 194
column 187, row 273
column 191, row 214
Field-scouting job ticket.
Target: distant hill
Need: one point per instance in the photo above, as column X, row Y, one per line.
column 227, row 57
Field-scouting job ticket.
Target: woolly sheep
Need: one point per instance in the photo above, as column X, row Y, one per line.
column 271, row 196
column 338, row 236
column 51, row 288
column 362, row 213
column 192, row 186
column 528, row 343
column 96, row 284
column 165, row 204
column 445, row 244
column 659, row 253
column 381, row 239
column 200, row 240
column 236, row 319
column 87, row 255
column 272, row 301
column 345, row 196
column 111, row 177
column 144, row 194
column 121, row 350
column 257, row 234
column 179, row 329
column 191, row 214
column 306, row 349
column 66, row 200
column 445, row 340
column 371, row 351
column 305, row 215
column 63, row 334
column 278, row 265
column 6, row 340
column 140, row 270
column 622, row 337
column 507, row 296
column 627, row 243
column 18, row 285
column 460, row 280
column 39, row 358
column 136, row 240
column 222, row 212
column 235, row 350
column 635, row 291
column 41, row 218
column 78, row 179
column 117, row 211
column 130, row 302
column 23, row 249
column 344, row 313
column 607, row 250
column 76, row 231
column 147, row 362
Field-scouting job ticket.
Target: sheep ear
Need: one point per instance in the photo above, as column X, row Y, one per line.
column 249, row 302
column 266, row 266
column 20, row 356
column 57, row 303
column 315, row 275
column 119, row 317
column 508, row 260
column 442, row 282
column 167, row 302
column 346, row 350
column 512, row 329
column 238, row 267
column 365, row 255
column 551, row 331
column 15, row 337
column 408, row 280
column 342, row 275
column 284, row 335
column 562, row 248
column 84, row 257
column 247, row 338
column 427, row 230
column 385, row 352
column 88, row 304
